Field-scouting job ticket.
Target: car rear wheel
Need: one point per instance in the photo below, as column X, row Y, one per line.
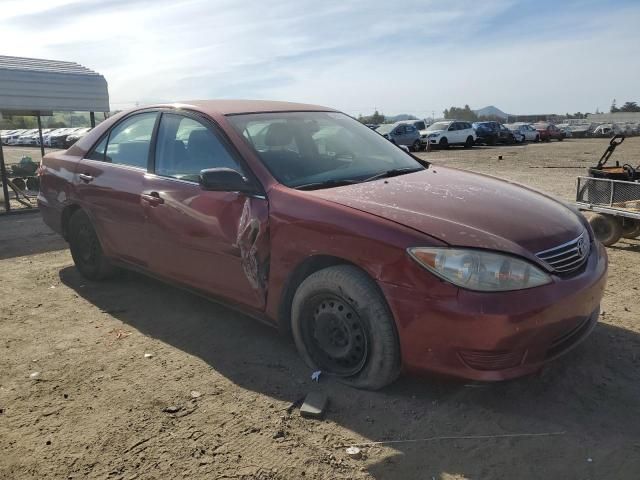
column 630, row 228
column 607, row 228
column 342, row 326
column 444, row 143
column 469, row 143
column 86, row 249
column 537, row 139
column 416, row 146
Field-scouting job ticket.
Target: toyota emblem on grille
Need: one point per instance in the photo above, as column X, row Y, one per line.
column 581, row 246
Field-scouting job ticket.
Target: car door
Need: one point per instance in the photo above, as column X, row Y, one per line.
column 214, row 241
column 410, row 135
column 398, row 135
column 109, row 182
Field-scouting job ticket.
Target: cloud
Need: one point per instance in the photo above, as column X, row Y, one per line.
column 356, row 55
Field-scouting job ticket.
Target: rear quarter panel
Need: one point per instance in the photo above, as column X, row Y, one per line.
column 57, row 189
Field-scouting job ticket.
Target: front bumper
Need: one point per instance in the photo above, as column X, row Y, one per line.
column 496, row 336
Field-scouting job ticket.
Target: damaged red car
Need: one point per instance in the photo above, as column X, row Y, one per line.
column 374, row 261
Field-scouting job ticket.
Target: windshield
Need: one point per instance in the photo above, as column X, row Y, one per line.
column 302, row 148
column 438, row 126
column 385, row 128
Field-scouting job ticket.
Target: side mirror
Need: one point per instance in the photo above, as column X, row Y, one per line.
column 224, row 180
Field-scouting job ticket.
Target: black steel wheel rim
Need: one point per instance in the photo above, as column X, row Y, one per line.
column 87, row 245
column 335, row 335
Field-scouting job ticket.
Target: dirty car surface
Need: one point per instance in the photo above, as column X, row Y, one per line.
column 302, row 217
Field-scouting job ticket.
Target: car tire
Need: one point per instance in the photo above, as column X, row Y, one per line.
column 560, row 139
column 443, row 143
column 607, row 228
column 469, row 143
column 537, row 139
column 342, row 325
column 416, row 146
column 86, row 249
column 491, row 142
column 630, row 228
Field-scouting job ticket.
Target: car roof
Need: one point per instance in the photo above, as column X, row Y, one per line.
column 233, row 107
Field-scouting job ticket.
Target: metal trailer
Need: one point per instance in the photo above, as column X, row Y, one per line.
column 612, row 194
column 615, row 207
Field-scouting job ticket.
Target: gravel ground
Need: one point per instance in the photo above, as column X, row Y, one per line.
column 212, row 399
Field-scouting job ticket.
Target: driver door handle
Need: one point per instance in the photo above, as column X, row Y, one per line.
column 86, row 178
column 153, row 198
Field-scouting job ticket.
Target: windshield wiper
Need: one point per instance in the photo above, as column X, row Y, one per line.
column 326, row 184
column 393, row 173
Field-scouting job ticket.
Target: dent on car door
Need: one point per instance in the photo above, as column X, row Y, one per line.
column 109, row 183
column 215, row 241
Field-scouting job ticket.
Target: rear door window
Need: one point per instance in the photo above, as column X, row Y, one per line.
column 129, row 141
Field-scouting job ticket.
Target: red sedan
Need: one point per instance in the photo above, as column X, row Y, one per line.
column 548, row 131
column 373, row 260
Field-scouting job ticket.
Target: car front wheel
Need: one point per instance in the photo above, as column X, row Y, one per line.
column 86, row 249
column 342, row 326
column 469, row 143
column 444, row 143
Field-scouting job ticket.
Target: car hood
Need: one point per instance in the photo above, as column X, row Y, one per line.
column 439, row 132
column 465, row 209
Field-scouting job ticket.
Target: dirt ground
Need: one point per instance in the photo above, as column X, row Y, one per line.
column 98, row 408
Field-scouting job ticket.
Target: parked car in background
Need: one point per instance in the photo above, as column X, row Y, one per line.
column 27, row 137
column 490, row 133
column 451, row 132
column 10, row 134
column 517, row 136
column 530, row 133
column 548, row 131
column 376, row 262
column 12, row 137
column 75, row 136
column 509, row 136
column 46, row 137
column 421, row 126
column 401, row 133
column 606, row 130
column 57, row 140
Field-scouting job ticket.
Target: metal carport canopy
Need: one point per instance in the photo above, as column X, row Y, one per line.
column 36, row 85
column 33, row 86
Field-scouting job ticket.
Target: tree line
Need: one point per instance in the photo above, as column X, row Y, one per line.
column 627, row 107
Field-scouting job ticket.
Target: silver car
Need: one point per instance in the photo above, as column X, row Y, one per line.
column 401, row 133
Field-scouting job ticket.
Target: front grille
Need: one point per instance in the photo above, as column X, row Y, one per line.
column 491, row 359
column 568, row 256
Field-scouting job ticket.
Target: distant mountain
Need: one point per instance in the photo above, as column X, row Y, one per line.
column 491, row 111
column 401, row 117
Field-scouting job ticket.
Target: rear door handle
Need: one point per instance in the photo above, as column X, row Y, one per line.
column 153, row 198
column 86, row 178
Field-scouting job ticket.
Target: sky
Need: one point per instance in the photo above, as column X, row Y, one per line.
column 415, row 56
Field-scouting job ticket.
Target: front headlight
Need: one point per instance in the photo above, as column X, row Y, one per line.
column 433, row 135
column 480, row 270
